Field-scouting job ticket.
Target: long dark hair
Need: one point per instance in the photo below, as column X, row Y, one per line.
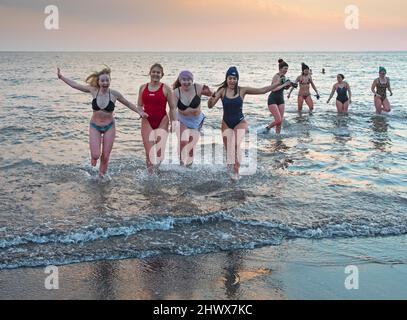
column 282, row 64
column 176, row 84
column 304, row 67
column 224, row 84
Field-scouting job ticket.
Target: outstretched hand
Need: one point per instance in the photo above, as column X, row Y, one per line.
column 143, row 115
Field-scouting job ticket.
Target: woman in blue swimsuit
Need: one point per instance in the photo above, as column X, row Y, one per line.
column 102, row 129
column 234, row 125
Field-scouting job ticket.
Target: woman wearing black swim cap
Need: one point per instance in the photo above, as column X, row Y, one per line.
column 234, row 124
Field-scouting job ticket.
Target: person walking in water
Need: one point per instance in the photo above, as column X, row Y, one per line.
column 234, row 124
column 188, row 101
column 276, row 103
column 154, row 97
column 343, row 100
column 379, row 89
column 304, row 94
column 102, row 129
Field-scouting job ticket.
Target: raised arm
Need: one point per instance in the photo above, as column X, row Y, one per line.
column 206, row 91
column 257, row 91
column 215, row 98
column 73, row 84
column 276, row 84
column 130, row 105
column 292, row 88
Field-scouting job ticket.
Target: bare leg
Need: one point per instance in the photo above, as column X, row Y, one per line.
column 378, row 105
column 310, row 103
column 240, row 133
column 154, row 138
column 108, row 141
column 281, row 108
column 277, row 116
column 95, row 140
column 346, row 107
column 188, row 140
column 386, row 105
column 300, row 103
column 339, row 106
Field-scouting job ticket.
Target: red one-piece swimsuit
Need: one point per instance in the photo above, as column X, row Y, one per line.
column 155, row 103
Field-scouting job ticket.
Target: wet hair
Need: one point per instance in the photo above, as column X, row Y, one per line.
column 304, row 67
column 282, row 64
column 342, row 76
column 176, row 84
column 157, row 65
column 93, row 79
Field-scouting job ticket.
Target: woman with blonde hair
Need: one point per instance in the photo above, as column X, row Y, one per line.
column 102, row 129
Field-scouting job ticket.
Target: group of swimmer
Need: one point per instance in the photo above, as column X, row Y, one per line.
column 185, row 116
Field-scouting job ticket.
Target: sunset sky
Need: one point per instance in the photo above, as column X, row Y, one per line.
column 210, row 25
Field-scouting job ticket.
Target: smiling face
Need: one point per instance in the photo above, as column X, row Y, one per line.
column 382, row 74
column 306, row 72
column 156, row 74
column 186, row 82
column 339, row 78
column 231, row 81
column 284, row 71
column 104, row 81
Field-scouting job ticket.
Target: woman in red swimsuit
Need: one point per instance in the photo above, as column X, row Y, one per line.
column 153, row 97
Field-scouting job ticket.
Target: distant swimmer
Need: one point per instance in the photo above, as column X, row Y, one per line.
column 154, row 97
column 102, row 129
column 276, row 103
column 187, row 96
column 344, row 94
column 304, row 94
column 379, row 89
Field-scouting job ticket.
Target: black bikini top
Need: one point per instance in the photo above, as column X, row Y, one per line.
column 110, row 107
column 195, row 103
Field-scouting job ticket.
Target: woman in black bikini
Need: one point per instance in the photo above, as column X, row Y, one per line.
column 342, row 100
column 379, row 89
column 305, row 81
column 102, row 129
column 188, row 100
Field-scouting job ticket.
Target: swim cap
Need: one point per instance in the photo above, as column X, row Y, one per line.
column 232, row 71
column 187, row 75
column 382, row 69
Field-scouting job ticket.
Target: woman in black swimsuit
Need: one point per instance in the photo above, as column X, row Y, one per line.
column 190, row 116
column 234, row 124
column 102, row 129
column 379, row 89
column 342, row 88
column 304, row 94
